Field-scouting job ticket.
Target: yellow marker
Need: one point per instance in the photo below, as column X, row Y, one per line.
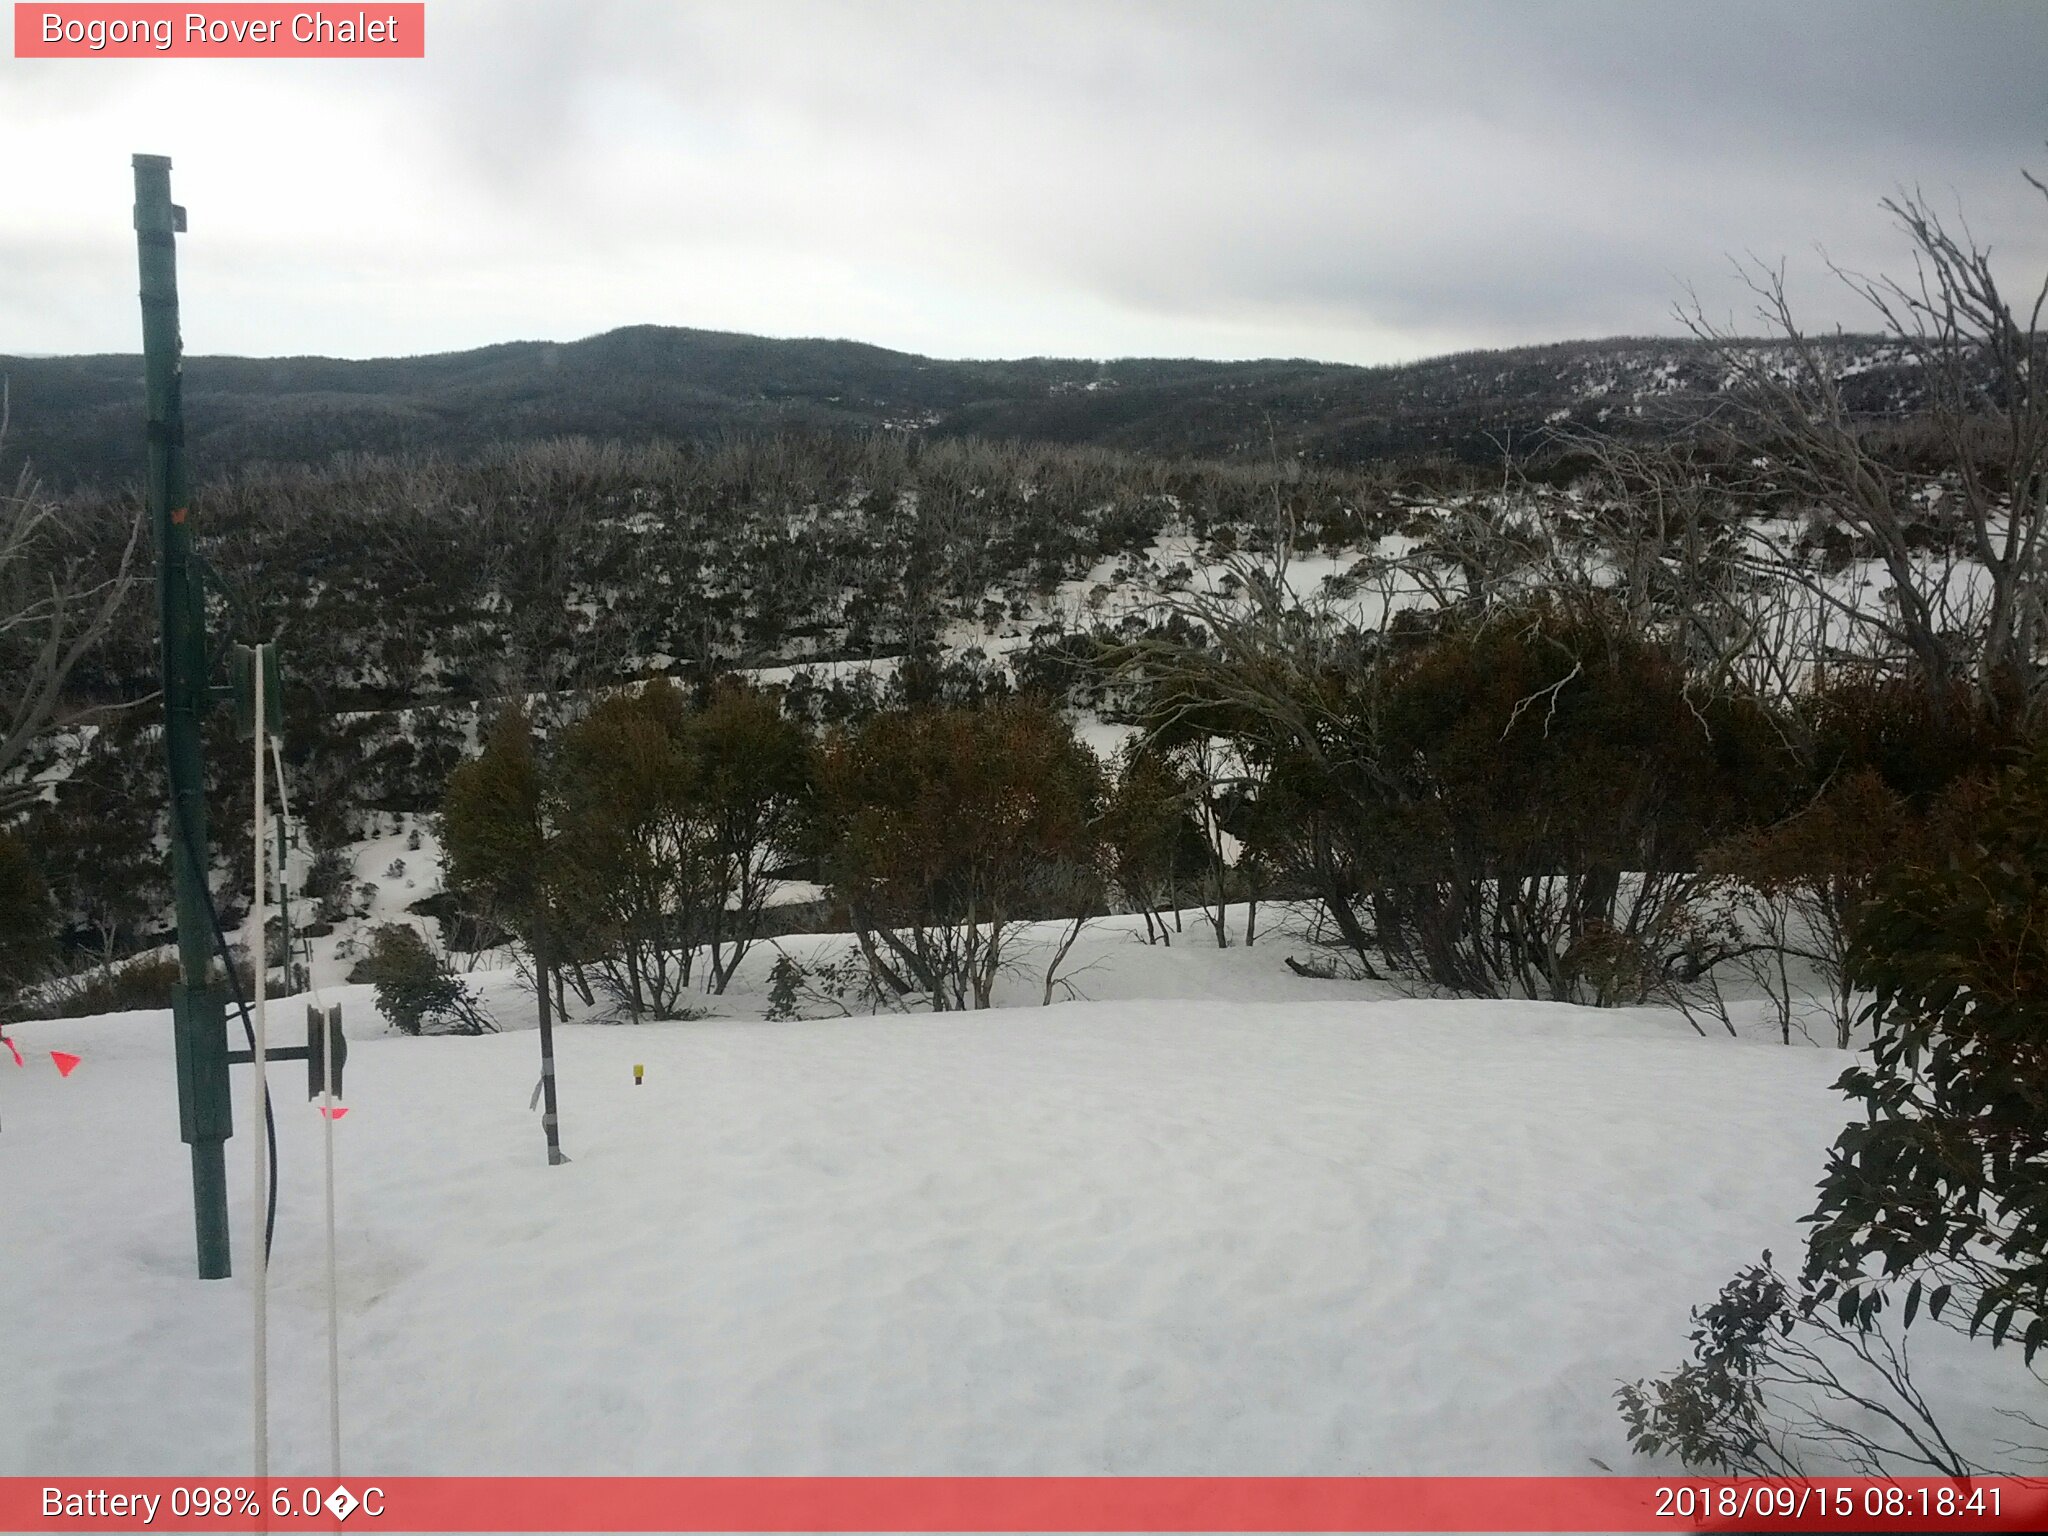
column 637, row 1071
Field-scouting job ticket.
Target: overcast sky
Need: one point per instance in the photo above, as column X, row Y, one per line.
column 1336, row 179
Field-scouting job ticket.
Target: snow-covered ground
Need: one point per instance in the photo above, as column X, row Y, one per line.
column 1216, row 1218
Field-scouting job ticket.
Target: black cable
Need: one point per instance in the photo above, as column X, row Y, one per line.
column 239, row 613
column 220, row 940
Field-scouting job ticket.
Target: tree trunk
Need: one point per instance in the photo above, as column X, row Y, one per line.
column 583, row 988
column 550, row 1114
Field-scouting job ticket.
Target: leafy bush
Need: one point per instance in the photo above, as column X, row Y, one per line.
column 1939, row 1193
column 1917, row 744
column 416, row 989
column 785, row 983
column 1536, row 760
column 1775, row 1379
column 1946, row 1176
column 840, row 986
column 1515, row 804
column 495, row 838
column 328, row 884
column 139, row 984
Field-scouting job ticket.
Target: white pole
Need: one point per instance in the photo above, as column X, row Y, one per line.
column 329, row 1026
column 258, row 956
column 329, row 1022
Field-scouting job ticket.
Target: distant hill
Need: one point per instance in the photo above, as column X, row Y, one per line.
column 79, row 419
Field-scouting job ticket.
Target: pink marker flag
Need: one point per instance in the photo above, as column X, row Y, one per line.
column 65, row 1062
column 336, row 1113
column 9, row 1043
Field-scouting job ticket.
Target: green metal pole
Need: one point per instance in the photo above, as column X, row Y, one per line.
column 199, row 1010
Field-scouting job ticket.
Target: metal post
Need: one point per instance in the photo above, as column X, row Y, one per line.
column 551, row 1120
column 199, row 1010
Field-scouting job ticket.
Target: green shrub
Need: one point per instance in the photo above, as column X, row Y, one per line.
column 140, row 984
column 1946, row 1176
column 416, row 988
column 1777, row 1382
column 1916, row 743
column 1938, row 1195
column 1516, row 806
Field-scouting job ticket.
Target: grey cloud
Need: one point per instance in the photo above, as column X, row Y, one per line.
column 1366, row 172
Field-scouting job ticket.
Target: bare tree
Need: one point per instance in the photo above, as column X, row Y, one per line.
column 56, row 602
column 1959, row 533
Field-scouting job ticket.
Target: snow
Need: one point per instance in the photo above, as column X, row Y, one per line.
column 1213, row 1218
column 396, row 840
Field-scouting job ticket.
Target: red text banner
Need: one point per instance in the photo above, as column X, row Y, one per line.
column 241, row 31
column 1061, row 1504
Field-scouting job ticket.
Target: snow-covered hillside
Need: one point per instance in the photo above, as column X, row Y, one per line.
column 1214, row 1218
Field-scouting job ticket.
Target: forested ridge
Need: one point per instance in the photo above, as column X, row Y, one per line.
column 77, row 418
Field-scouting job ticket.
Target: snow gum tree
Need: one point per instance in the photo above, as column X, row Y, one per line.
column 492, row 828
column 1148, row 840
column 755, row 777
column 630, row 854
column 500, row 848
column 945, row 827
column 674, row 820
